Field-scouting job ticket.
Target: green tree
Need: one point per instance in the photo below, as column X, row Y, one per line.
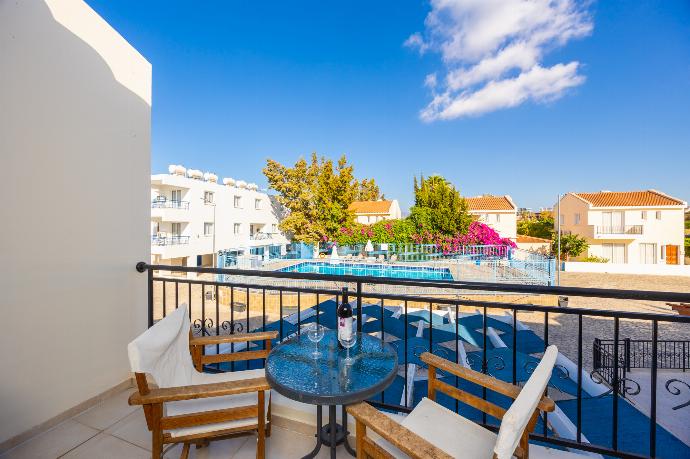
column 438, row 207
column 317, row 195
column 541, row 226
column 572, row 245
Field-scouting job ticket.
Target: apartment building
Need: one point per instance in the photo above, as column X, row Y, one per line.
column 194, row 217
column 499, row 212
column 368, row 212
column 634, row 227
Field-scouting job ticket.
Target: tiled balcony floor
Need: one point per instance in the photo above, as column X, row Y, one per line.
column 113, row 429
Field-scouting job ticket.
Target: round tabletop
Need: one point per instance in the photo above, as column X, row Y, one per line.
column 294, row 372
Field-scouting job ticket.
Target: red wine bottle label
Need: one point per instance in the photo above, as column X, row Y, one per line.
column 345, row 328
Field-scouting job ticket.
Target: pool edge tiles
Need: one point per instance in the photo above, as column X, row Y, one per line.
column 374, row 270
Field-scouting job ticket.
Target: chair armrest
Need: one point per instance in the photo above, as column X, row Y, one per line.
column 496, row 385
column 236, row 338
column 398, row 435
column 172, row 394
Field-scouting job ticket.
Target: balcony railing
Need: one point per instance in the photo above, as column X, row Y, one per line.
column 169, row 240
column 165, row 204
column 626, row 229
column 260, row 236
column 416, row 320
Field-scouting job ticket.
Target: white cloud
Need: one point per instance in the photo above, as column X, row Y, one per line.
column 492, row 52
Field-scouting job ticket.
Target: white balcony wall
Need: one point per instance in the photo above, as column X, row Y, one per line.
column 75, row 144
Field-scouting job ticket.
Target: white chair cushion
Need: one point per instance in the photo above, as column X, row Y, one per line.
column 446, row 430
column 217, row 403
column 518, row 415
column 163, row 351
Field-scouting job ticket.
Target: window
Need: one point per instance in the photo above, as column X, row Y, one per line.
column 176, row 229
column 644, row 215
column 274, row 228
column 614, row 252
column 257, row 204
column 577, row 219
column 237, row 201
column 176, row 195
column 663, row 252
column 562, row 219
column 236, row 228
column 498, row 218
column 658, row 215
column 208, row 197
column 647, row 253
column 208, row 229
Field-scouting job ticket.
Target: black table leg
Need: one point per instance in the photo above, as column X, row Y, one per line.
column 331, row 434
column 319, row 421
column 332, row 427
column 346, row 432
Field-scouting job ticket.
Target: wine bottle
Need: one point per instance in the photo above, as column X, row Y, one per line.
column 344, row 314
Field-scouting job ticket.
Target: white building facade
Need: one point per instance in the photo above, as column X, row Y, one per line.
column 499, row 212
column 369, row 212
column 193, row 217
column 634, row 227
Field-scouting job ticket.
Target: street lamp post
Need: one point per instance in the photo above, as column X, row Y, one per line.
column 558, row 254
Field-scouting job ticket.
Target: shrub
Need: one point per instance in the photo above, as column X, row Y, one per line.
column 595, row 259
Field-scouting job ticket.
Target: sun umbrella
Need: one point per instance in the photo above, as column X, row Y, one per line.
column 369, row 247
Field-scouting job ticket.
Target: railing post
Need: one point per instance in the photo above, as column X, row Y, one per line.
column 626, row 353
column 359, row 307
column 149, row 278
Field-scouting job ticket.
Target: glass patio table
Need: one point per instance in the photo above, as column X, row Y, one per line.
column 293, row 371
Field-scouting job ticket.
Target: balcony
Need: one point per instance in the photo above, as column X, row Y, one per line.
column 599, row 403
column 165, row 204
column 170, row 211
column 619, row 232
column 169, row 240
column 260, row 236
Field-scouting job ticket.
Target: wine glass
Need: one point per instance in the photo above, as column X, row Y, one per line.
column 315, row 333
column 347, row 340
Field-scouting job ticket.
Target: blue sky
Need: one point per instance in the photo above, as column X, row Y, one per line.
column 599, row 101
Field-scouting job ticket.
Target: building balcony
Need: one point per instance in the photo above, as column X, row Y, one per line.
column 601, row 379
column 261, row 236
column 166, row 204
column 619, row 231
column 169, row 240
column 170, row 211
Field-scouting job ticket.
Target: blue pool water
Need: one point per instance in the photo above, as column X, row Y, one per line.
column 374, row 270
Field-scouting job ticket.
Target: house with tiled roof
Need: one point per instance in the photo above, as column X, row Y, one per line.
column 368, row 212
column 632, row 227
column 499, row 212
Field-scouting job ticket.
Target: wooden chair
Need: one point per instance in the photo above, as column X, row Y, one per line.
column 188, row 406
column 432, row 431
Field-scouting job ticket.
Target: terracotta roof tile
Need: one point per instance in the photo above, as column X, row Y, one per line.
column 521, row 238
column 489, row 202
column 629, row 199
column 371, row 207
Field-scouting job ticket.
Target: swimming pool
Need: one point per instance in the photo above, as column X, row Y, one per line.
column 374, row 270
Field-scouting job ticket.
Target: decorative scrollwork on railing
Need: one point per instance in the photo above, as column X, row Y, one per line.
column 560, row 371
column 626, row 386
column 202, row 327
column 495, row 363
column 230, row 327
column 674, row 390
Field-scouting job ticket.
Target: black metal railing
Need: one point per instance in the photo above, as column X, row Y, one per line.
column 619, row 229
column 213, row 294
column 637, row 353
column 169, row 204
